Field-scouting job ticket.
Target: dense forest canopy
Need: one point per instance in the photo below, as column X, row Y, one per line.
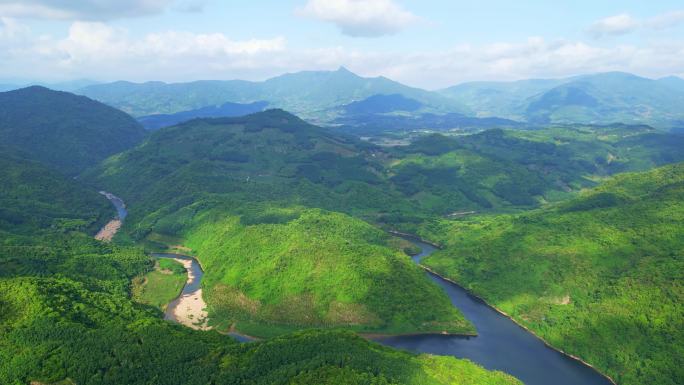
column 599, row 275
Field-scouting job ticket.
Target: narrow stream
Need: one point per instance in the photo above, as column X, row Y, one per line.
column 500, row 344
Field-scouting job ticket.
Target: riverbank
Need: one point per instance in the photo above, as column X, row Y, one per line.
column 379, row 336
column 546, row 343
column 109, row 230
column 189, row 308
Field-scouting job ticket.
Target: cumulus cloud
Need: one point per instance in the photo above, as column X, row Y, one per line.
column 614, row 25
column 624, row 23
column 360, row 18
column 92, row 9
column 666, row 20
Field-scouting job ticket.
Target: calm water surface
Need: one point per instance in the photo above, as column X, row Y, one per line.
column 500, row 343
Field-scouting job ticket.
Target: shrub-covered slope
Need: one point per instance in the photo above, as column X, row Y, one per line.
column 600, row 276
column 66, row 131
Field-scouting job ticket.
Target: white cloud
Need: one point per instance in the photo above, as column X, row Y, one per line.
column 624, row 23
column 360, row 18
column 92, row 9
column 614, row 25
column 666, row 20
column 99, row 51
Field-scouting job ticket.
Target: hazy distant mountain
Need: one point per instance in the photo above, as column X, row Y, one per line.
column 8, row 87
column 606, row 98
column 66, row 131
column 325, row 96
column 154, row 122
column 311, row 94
column 500, row 98
column 382, row 104
column 673, row 82
column 70, row 85
column 597, row 99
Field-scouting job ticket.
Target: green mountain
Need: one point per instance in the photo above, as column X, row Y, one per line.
column 604, row 98
column 67, row 315
column 674, row 82
column 608, row 98
column 326, row 96
column 599, row 276
column 309, row 94
column 245, row 194
column 502, row 99
column 66, row 131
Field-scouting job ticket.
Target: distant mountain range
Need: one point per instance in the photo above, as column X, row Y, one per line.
column 592, row 99
column 343, row 98
column 314, row 95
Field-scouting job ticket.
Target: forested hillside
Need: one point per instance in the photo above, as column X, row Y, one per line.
column 66, row 314
column 34, row 196
column 504, row 169
column 599, row 276
column 68, row 132
column 237, row 191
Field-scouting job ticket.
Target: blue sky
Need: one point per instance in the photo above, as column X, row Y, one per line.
column 429, row 44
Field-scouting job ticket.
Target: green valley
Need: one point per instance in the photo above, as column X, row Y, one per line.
column 347, row 192
column 67, row 316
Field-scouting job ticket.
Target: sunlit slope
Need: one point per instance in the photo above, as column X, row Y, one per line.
column 310, row 268
column 599, row 276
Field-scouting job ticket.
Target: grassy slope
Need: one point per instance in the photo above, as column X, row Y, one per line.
column 599, row 276
column 160, row 286
column 315, row 268
column 68, row 132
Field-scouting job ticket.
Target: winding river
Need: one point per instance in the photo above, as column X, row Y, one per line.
column 500, row 344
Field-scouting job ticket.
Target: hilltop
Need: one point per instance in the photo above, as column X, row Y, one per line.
column 63, row 130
